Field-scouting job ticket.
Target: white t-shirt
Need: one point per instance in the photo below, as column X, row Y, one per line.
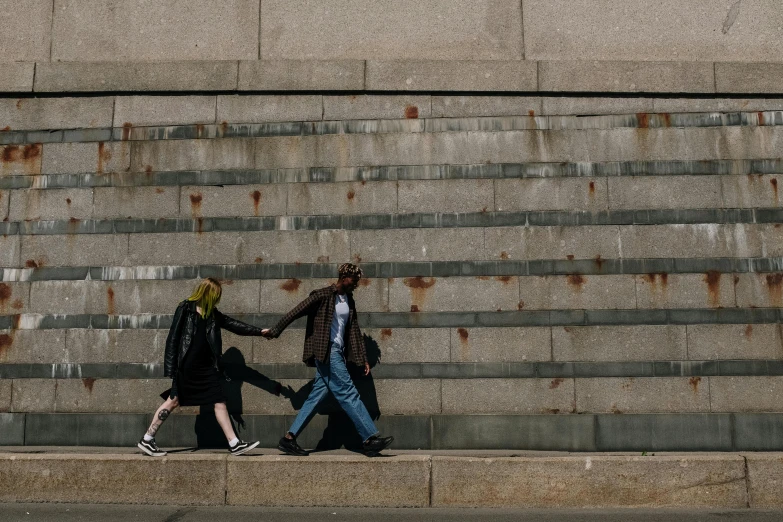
column 339, row 319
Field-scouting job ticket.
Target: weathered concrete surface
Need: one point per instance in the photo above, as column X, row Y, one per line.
column 445, row 75
column 668, row 30
column 640, row 192
column 643, row 394
column 513, row 396
column 121, row 30
column 111, row 479
column 624, row 76
column 500, row 344
column 163, row 110
column 734, row 341
column 300, row 75
column 749, row 77
column 20, row 160
column 261, row 109
column 135, row 76
column 100, row 158
column 25, row 31
column 233, row 200
column 407, row 29
column 580, row 482
column 36, row 204
column 376, row 106
column 55, row 113
column 399, row 345
column 748, row 394
column 710, row 290
column 17, row 77
column 619, row 343
column 765, row 478
column 466, row 106
column 401, row 481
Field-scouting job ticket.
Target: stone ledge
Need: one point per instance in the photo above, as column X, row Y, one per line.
column 524, row 76
column 420, row 479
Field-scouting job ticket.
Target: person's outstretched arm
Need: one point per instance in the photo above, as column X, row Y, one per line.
column 298, row 311
column 235, row 325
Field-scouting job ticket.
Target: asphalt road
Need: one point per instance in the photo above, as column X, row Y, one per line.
column 103, row 513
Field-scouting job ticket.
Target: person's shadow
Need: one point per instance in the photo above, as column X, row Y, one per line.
column 208, row 431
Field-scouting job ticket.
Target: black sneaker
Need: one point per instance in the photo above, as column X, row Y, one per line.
column 375, row 445
column 150, row 448
column 242, row 447
column 290, row 447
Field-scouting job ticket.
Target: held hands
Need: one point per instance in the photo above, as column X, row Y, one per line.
column 266, row 333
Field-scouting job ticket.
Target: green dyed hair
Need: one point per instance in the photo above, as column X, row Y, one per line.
column 207, row 296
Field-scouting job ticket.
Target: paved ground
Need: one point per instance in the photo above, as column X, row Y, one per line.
column 98, row 513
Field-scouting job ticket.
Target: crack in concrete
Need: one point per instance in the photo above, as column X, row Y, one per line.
column 731, row 17
column 715, row 483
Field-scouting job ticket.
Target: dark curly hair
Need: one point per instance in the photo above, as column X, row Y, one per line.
column 349, row 270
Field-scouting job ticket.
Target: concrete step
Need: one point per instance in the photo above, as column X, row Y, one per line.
column 398, row 479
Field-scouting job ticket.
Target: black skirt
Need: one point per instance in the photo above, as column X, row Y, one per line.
column 198, row 381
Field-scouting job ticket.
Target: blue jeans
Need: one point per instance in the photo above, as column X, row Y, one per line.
column 334, row 377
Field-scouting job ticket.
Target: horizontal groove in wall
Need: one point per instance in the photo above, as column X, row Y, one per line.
column 395, row 173
column 395, row 221
column 486, row 370
column 426, row 319
column 374, row 126
column 542, row 267
column 584, row 432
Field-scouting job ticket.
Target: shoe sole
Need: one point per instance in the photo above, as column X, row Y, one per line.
column 291, row 452
column 252, row 446
column 149, row 452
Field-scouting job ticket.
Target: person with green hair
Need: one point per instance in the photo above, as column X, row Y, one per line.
column 192, row 359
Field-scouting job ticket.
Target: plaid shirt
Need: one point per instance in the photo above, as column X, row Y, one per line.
column 319, row 309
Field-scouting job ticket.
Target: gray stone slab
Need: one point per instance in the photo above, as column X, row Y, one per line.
column 710, row 290
column 51, row 429
column 751, row 341
column 136, row 76
column 686, row 241
column 233, row 200
column 759, row 290
column 508, row 396
column 369, row 106
column 626, row 76
column 745, row 394
column 32, row 346
column 121, row 346
column 56, row 113
column 577, row 292
column 643, row 395
column 669, row 30
column 401, row 345
column 523, row 432
column 408, row 396
column 14, row 298
column 753, row 190
column 5, row 395
column 500, row 344
column 342, row 198
column 618, row 343
column 273, row 108
column 451, row 75
column 10, row 247
column 417, row 294
column 470, row 195
column 569, row 105
column 136, row 202
column 25, row 30
column 551, row 194
column 640, row 192
column 109, row 395
column 163, row 110
column 301, row 75
column 33, row 395
column 469, row 106
column 20, row 160
column 441, row 30
column 664, row 432
column 88, row 31
column 764, row 78
column 17, row 77
column 234, row 153
column 764, row 472
column 12, row 429
column 100, row 158
column 758, row 431
column 583, row 242
column 75, row 250
column 61, row 204
column 717, row 104
column 417, row 244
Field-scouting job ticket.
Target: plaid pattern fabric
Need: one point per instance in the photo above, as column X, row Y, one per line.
column 319, row 309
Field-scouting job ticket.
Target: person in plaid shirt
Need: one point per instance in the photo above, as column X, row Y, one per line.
column 332, row 338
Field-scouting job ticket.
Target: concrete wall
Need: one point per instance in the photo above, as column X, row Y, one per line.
column 488, row 45
column 587, row 273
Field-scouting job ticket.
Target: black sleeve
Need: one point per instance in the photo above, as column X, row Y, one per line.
column 235, row 326
column 173, row 340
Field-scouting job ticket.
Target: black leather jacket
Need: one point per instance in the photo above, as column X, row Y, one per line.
column 183, row 327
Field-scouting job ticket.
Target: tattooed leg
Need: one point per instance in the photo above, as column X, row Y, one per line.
column 161, row 415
